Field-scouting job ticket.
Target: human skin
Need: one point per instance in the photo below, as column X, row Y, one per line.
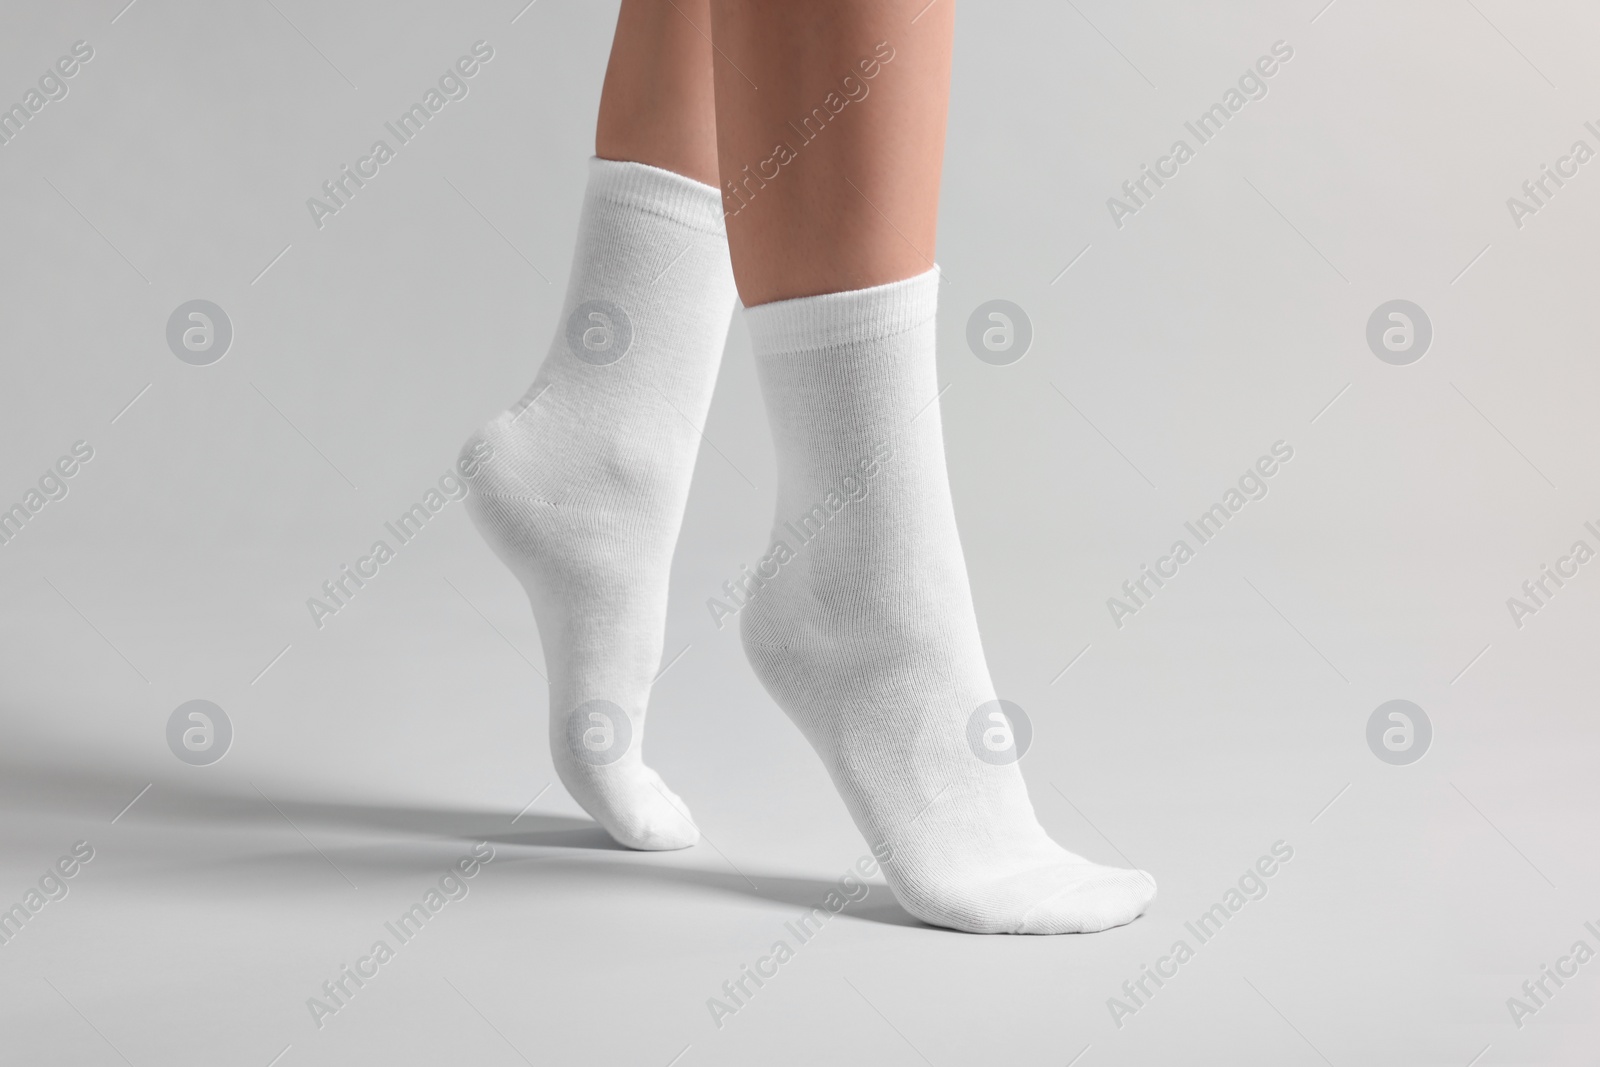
column 709, row 88
column 657, row 104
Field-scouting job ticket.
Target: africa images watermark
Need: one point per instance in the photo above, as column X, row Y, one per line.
column 1252, row 885
column 1550, row 580
column 1252, row 85
column 806, row 527
column 52, row 86
column 340, row 190
column 52, row 486
column 1536, row 992
column 52, row 887
column 852, row 89
column 1538, row 190
column 338, row 991
column 1252, row 486
column 342, row 587
column 848, row 890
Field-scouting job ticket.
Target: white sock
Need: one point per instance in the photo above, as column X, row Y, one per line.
column 866, row 636
column 583, row 492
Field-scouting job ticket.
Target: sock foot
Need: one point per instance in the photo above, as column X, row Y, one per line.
column 862, row 627
column 580, row 487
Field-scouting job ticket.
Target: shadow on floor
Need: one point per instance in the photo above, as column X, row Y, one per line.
column 101, row 792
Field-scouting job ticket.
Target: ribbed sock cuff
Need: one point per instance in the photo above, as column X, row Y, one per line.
column 810, row 323
column 660, row 192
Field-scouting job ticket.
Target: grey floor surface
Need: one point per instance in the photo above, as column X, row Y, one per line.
column 1229, row 715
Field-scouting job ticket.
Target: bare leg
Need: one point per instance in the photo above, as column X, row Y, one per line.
column 858, row 204
column 657, row 103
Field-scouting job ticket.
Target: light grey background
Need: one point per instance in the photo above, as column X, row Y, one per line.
column 1226, row 716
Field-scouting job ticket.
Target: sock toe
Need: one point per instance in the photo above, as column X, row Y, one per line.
column 656, row 837
column 655, row 819
column 1110, row 897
